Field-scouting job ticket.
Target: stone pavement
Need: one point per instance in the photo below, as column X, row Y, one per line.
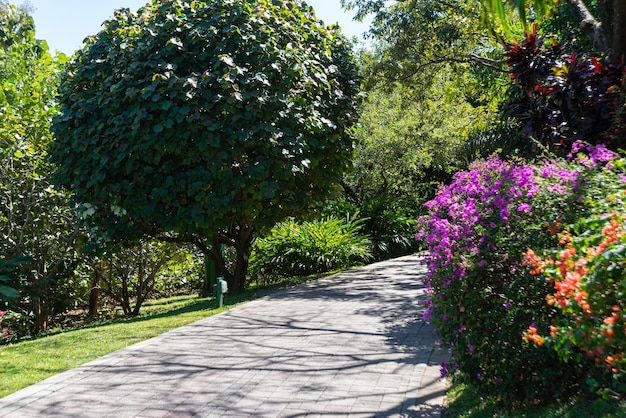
column 351, row 344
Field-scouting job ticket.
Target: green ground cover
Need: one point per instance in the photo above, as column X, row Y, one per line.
column 28, row 362
column 467, row 401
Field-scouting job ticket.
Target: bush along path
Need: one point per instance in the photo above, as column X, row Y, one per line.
column 526, row 276
column 351, row 344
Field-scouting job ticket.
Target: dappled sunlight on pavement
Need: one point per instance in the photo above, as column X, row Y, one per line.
column 351, row 344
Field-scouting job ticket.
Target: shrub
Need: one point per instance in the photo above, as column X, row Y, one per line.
column 8, row 292
column 10, row 329
column 587, row 276
column 559, row 97
column 131, row 275
column 299, row 249
column 481, row 296
column 15, row 326
column 389, row 223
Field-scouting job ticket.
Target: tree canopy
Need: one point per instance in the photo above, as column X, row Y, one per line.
column 603, row 21
column 16, row 24
column 205, row 121
column 416, row 38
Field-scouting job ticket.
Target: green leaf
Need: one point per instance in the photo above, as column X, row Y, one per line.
column 8, row 293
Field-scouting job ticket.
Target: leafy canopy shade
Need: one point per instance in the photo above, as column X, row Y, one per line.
column 205, row 119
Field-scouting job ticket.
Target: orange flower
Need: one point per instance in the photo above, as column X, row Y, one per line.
column 531, row 336
column 565, row 238
column 554, row 227
column 609, row 320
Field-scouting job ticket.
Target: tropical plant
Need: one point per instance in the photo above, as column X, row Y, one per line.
column 560, row 98
column 603, row 21
column 389, row 222
column 205, row 122
column 299, row 249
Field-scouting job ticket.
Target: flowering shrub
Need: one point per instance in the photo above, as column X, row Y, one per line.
column 587, row 272
column 482, row 299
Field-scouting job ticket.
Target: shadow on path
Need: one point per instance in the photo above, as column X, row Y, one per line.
column 352, row 344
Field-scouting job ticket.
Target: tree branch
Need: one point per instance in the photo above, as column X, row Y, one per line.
column 589, row 24
column 468, row 59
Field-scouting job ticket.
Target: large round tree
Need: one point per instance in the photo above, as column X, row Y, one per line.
column 205, row 122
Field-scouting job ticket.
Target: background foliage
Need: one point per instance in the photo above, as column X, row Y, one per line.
column 37, row 225
column 300, row 249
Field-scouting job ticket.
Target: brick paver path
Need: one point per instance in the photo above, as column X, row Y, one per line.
column 352, row 344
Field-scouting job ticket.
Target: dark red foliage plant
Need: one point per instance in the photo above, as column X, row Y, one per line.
column 559, row 97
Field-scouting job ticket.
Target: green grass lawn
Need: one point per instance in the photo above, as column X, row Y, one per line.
column 28, row 362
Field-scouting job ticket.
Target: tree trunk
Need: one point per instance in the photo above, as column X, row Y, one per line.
column 125, row 299
column 618, row 33
column 40, row 311
column 39, row 300
column 240, row 237
column 241, row 268
column 594, row 28
column 94, row 293
column 613, row 16
column 211, row 272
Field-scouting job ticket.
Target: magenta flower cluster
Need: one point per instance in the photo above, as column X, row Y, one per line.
column 474, row 201
column 479, row 200
column 592, row 156
column 481, row 197
column 464, row 222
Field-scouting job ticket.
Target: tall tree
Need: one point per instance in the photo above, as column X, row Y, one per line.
column 407, row 146
column 205, row 122
column 16, row 24
column 36, row 221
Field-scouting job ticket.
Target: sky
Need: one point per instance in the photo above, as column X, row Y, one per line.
column 64, row 24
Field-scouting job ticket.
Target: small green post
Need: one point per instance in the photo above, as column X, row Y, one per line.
column 219, row 294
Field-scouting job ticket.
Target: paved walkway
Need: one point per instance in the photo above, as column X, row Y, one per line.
column 352, row 344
